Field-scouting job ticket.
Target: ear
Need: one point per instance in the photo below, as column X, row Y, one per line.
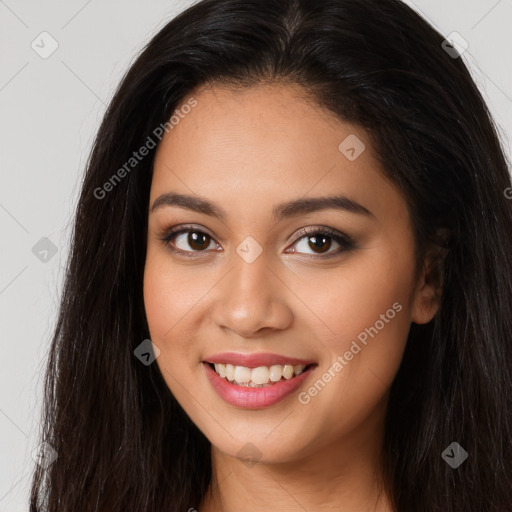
column 429, row 285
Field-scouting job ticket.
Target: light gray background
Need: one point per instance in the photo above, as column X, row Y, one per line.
column 49, row 112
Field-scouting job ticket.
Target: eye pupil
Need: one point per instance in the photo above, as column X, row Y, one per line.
column 318, row 242
column 198, row 241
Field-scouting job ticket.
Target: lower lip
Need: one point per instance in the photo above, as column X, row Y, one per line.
column 254, row 398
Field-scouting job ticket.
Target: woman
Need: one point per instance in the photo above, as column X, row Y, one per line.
column 290, row 279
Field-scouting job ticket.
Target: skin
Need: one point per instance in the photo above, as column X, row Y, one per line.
column 246, row 151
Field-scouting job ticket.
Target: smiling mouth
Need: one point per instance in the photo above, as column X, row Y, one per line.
column 259, row 377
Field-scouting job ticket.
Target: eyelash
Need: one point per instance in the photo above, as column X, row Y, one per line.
column 346, row 243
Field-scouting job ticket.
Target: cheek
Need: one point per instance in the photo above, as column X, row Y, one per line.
column 362, row 292
column 167, row 302
column 159, row 300
column 173, row 310
column 366, row 307
column 170, row 293
column 168, row 297
column 353, row 296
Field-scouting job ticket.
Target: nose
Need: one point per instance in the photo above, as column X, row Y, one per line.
column 252, row 300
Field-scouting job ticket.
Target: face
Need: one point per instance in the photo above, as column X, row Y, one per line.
column 313, row 298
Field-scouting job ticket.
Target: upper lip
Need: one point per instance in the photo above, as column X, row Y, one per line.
column 255, row 360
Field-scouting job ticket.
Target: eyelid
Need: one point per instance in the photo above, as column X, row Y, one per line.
column 325, row 230
column 167, row 233
column 346, row 243
column 173, row 230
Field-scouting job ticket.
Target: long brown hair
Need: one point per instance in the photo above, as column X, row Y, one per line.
column 123, row 441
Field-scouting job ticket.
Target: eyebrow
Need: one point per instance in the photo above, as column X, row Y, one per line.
column 279, row 212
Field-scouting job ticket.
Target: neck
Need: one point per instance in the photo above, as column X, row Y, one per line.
column 342, row 477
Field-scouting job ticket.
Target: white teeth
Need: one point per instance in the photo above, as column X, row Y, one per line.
column 230, row 372
column 287, row 371
column 220, row 369
column 276, row 372
column 260, row 376
column 242, row 374
column 298, row 369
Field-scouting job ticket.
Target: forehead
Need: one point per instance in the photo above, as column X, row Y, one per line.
column 228, row 124
column 260, row 145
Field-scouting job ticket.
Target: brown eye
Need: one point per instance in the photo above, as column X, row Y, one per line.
column 191, row 241
column 319, row 244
